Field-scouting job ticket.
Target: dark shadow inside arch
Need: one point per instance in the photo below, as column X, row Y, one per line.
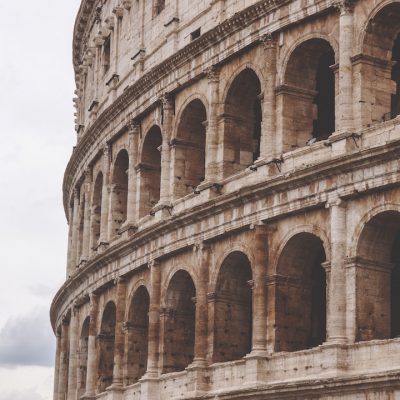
column 178, row 320
column 378, row 278
column 381, row 76
column 189, row 149
column 301, row 294
column 138, row 332
column 242, row 122
column 233, row 309
column 119, row 196
column 106, row 341
column 308, row 94
column 150, row 171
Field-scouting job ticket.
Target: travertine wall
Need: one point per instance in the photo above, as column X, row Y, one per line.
column 233, row 202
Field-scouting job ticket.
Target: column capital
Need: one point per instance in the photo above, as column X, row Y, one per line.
column 88, row 175
column 76, row 193
column 200, row 246
column 133, row 126
column 167, row 100
column 344, row 6
column 268, row 41
column 153, row 263
column 213, row 74
column 336, row 201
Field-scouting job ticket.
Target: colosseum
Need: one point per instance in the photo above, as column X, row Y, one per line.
column 233, row 202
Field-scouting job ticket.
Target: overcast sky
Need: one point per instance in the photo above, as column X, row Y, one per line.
column 37, row 135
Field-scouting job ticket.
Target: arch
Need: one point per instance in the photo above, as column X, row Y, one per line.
column 138, row 331
column 119, row 198
column 304, row 228
column 380, row 47
column 233, row 309
column 189, row 148
column 298, row 42
column 96, row 208
column 149, row 170
column 378, row 277
column 300, row 317
column 106, row 342
column 83, row 356
column 242, row 117
column 178, row 323
column 307, row 94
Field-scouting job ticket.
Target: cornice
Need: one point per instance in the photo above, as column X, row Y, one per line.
column 86, row 14
column 279, row 183
column 237, row 22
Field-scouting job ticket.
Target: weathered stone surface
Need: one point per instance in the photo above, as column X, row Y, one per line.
column 233, row 202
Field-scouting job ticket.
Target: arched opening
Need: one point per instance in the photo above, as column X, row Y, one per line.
column 301, row 294
column 178, row 319
column 395, row 76
column 138, row 332
column 83, row 357
column 379, row 67
column 96, row 209
column 150, row 171
column 119, row 198
column 106, row 340
column 307, row 97
column 378, row 278
column 233, row 309
column 242, row 122
column 188, row 149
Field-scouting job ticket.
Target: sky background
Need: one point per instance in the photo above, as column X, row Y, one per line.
column 37, row 135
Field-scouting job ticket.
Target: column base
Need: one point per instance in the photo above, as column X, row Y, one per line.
column 115, row 392
column 212, row 189
column 127, row 229
column 256, row 366
column 198, row 378
column 162, row 210
column 336, row 340
column 149, row 386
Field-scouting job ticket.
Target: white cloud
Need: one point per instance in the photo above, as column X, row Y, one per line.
column 26, row 383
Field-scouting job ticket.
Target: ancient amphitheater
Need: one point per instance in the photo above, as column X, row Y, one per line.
column 233, row 202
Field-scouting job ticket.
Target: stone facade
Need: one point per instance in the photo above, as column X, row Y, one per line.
column 233, row 202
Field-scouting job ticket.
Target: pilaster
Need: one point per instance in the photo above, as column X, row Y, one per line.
column 105, row 197
column 268, row 128
column 73, row 354
column 336, row 315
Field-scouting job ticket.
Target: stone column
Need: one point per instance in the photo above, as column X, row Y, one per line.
column 119, row 333
column 75, row 227
column 200, row 345
column 168, row 115
column 91, row 374
column 260, row 251
column 70, row 226
column 63, row 367
column 268, row 127
column 212, row 126
column 73, row 355
column 105, row 196
column 211, row 300
column 346, row 32
column 336, row 316
column 112, row 199
column 154, row 319
column 57, row 366
column 86, row 218
column 133, row 134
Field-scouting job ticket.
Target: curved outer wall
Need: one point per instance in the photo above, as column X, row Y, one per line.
column 233, row 202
